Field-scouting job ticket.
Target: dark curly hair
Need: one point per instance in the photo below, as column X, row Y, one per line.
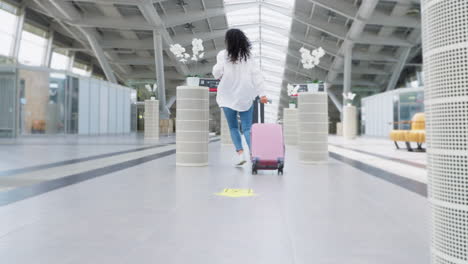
column 237, row 45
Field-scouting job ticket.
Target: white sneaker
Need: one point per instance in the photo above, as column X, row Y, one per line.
column 242, row 160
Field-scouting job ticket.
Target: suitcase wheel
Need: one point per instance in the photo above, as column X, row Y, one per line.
column 254, row 169
column 254, row 166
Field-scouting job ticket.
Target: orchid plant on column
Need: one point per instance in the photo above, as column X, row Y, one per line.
column 348, row 98
column 292, row 92
column 310, row 59
column 184, row 57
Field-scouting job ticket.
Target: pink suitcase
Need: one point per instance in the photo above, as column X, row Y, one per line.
column 267, row 151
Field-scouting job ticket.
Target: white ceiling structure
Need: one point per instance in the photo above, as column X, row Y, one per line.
column 385, row 35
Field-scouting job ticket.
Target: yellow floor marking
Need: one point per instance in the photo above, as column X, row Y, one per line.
column 235, row 193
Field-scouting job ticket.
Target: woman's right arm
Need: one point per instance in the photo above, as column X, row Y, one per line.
column 218, row 69
column 258, row 81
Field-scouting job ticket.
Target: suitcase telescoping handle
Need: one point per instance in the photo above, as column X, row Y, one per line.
column 259, row 111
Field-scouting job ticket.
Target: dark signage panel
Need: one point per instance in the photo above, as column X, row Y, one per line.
column 212, row 84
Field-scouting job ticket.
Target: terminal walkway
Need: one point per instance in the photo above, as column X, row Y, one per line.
column 146, row 210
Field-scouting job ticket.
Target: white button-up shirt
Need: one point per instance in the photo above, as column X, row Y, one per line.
column 240, row 83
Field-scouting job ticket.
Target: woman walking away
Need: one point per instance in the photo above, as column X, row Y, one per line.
column 241, row 82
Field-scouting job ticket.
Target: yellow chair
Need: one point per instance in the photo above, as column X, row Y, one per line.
column 417, row 133
column 38, row 126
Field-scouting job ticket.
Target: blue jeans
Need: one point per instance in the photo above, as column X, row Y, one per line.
column 246, row 123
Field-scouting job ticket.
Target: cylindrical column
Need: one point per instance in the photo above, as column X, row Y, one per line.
column 151, row 120
column 290, row 126
column 192, row 126
column 339, row 129
column 445, row 57
column 313, row 127
column 225, row 133
column 349, row 122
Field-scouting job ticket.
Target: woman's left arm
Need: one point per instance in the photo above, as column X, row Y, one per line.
column 258, row 80
column 218, row 69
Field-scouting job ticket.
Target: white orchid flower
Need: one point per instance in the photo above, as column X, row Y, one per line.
column 177, row 49
column 321, row 52
column 197, row 48
column 303, row 50
column 310, row 59
column 349, row 96
column 290, row 89
column 197, row 45
column 316, row 61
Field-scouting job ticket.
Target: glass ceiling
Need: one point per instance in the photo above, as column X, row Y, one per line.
column 264, row 26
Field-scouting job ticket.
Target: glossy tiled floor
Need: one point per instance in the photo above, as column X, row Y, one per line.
column 157, row 213
column 34, row 150
column 381, row 153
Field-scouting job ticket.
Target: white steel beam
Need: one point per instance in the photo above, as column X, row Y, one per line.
column 343, row 8
column 18, row 32
column 383, row 19
column 365, row 11
column 49, row 49
column 151, row 15
column 158, row 57
column 147, row 44
column 113, row 2
column 347, row 67
column 149, row 60
column 171, row 102
column 398, row 69
column 99, row 52
column 67, row 10
column 335, row 101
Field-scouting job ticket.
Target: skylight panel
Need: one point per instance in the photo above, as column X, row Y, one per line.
column 274, row 37
column 273, row 18
column 288, row 4
column 244, row 16
column 267, row 25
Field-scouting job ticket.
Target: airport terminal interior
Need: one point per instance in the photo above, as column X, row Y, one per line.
column 113, row 148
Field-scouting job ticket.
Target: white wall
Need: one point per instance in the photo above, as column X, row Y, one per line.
column 377, row 112
column 94, row 106
column 104, row 108
column 83, row 107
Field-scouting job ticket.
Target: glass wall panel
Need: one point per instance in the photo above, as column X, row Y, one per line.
column 410, row 104
column 83, row 121
column 33, row 46
column 112, row 109
column 7, row 104
column 34, row 87
column 73, row 105
column 60, row 61
column 56, row 107
column 94, row 107
column 120, row 111
column 104, row 108
column 127, row 111
column 7, row 30
column 81, row 69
